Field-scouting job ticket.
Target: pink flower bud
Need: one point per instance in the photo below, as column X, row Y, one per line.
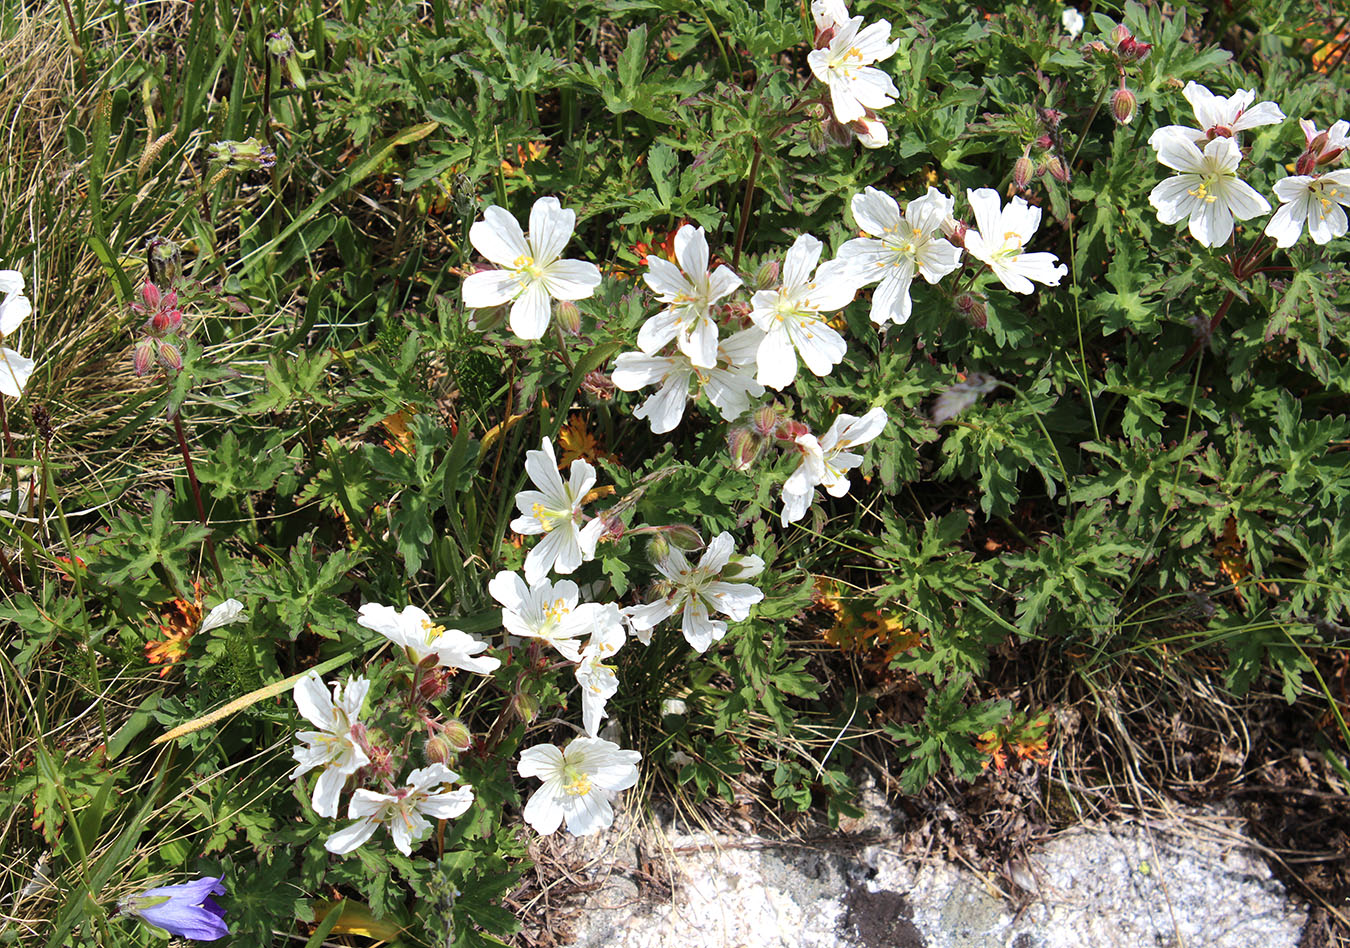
column 1131, row 50
column 1058, row 169
column 954, row 231
column 170, row 357
column 1120, row 34
column 791, row 431
column 433, row 683
column 150, row 293
column 1123, row 103
column 1022, row 170
column 144, row 356
column 1306, row 164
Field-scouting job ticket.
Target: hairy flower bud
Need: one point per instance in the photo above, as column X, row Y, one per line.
column 1058, row 169
column 973, row 309
column 1098, row 49
column 525, row 706
column 569, row 317
column 1123, row 103
column 1022, row 169
column 658, row 548
column 164, row 260
column 170, row 357
column 437, row 750
column 745, row 445
column 766, row 277
column 433, row 683
column 144, row 356
column 457, row 734
column 683, row 537
column 487, row 319
column 1120, row 34
column 150, row 295
column 766, row 419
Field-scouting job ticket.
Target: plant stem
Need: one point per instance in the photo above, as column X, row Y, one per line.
column 745, row 207
column 4, row 423
column 196, row 492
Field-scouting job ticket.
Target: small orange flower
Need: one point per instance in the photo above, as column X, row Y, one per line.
column 181, row 619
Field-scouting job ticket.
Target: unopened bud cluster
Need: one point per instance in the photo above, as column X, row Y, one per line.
column 163, row 319
column 248, row 155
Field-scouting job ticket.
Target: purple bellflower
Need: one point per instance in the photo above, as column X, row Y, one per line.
column 186, row 910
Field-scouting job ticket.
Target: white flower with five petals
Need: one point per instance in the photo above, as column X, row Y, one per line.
column 897, row 247
column 422, row 639
column 695, row 592
column 1206, row 190
column 846, row 66
column 531, row 272
column 790, row 316
column 548, row 611
column 554, row 510
column 1316, row 200
column 826, row 462
column 1222, row 116
column 332, row 746
column 1002, row 235
column 580, row 781
column 15, row 369
column 689, row 292
column 728, row 386
column 596, row 678
column 405, row 811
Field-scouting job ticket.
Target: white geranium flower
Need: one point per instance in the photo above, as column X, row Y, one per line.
column 1322, row 147
column 898, row 246
column 405, row 811
column 1221, row 117
column 689, row 291
column 597, row 680
column 549, row 611
column 413, row 629
column 1072, row 21
column 15, row 369
column 790, row 316
column 555, row 511
column 1207, row 189
column 728, row 387
column 846, row 67
column 870, row 132
column 698, row 591
column 332, row 746
column 1003, row 232
column 531, row 272
column 827, row 461
column 231, row 610
column 1317, row 200
column 580, row 780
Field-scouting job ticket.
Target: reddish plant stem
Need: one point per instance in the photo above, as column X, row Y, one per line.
column 746, row 204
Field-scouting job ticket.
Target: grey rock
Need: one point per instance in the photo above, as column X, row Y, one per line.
column 1162, row 885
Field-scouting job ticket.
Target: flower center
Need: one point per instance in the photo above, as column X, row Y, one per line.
column 1203, row 191
column 431, row 631
column 526, row 264
column 549, row 518
column 576, row 783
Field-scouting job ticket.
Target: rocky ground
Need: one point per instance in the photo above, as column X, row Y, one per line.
column 1190, row 880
